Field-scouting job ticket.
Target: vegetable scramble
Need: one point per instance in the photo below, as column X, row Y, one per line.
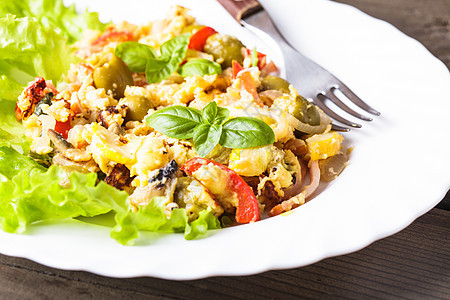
column 175, row 111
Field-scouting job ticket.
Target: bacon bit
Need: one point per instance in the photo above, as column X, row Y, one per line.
column 252, row 182
column 269, row 69
column 33, row 93
column 248, row 84
column 287, row 205
column 269, row 195
column 123, row 140
column 120, row 177
column 112, row 35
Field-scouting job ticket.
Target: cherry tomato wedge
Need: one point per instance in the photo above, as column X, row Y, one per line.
column 198, row 39
column 248, row 209
column 236, row 68
column 63, row 128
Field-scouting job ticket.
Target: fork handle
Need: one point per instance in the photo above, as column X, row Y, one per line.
column 240, row 8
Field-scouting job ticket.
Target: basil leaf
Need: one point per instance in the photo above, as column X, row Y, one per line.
column 135, row 55
column 172, row 54
column 200, row 67
column 222, row 115
column 209, row 113
column 175, row 44
column 157, row 69
column 175, row 121
column 246, row 132
column 213, row 114
column 206, row 137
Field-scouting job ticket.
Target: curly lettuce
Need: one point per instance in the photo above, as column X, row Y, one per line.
column 27, row 49
column 11, row 131
column 31, row 193
column 53, row 14
column 35, row 40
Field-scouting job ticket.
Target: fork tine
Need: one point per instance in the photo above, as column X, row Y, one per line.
column 355, row 99
column 339, row 128
column 313, row 77
column 317, row 101
column 333, row 98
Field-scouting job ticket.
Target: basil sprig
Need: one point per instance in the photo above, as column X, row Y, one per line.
column 211, row 127
column 143, row 58
column 177, row 122
column 135, row 55
column 200, row 66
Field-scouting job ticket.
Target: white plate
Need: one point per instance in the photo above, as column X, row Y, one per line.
column 400, row 167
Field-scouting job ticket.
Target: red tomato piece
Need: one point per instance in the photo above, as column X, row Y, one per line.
column 236, row 68
column 63, row 128
column 248, row 209
column 198, row 39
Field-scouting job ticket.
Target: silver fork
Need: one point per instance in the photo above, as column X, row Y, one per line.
column 317, row 84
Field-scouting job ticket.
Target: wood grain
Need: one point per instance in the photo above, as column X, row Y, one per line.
column 240, row 8
column 412, row 264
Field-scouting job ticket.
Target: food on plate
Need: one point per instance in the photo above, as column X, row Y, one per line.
column 171, row 126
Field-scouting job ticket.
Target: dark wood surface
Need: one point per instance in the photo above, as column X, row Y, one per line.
column 412, row 264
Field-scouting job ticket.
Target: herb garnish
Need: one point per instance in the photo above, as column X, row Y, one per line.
column 211, row 127
column 200, row 66
column 143, row 58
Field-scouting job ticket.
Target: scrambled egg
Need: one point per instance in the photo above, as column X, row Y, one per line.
column 113, row 134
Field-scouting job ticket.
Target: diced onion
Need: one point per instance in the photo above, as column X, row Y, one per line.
column 331, row 167
column 306, row 128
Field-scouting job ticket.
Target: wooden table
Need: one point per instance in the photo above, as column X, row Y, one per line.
column 412, row 264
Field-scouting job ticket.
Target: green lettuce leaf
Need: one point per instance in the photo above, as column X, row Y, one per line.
column 153, row 218
column 27, row 49
column 29, row 193
column 35, row 38
column 11, row 131
column 53, row 14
